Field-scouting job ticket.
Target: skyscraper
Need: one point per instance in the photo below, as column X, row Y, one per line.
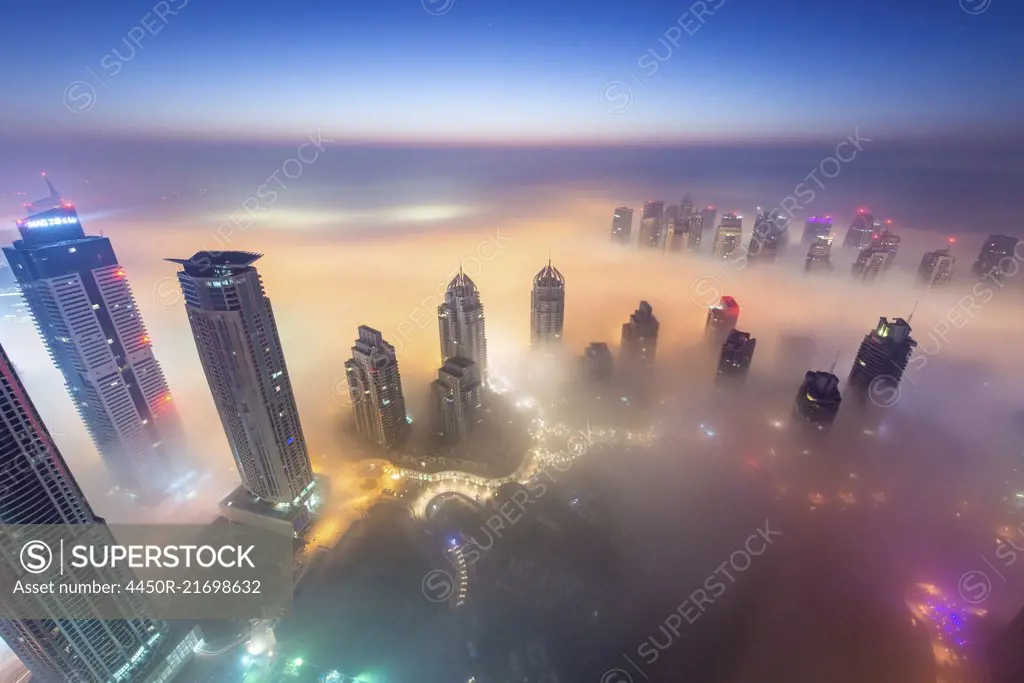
column 460, row 320
column 709, row 215
column 817, row 400
column 815, row 227
column 694, row 228
column 871, row 262
column 652, row 225
column 597, row 362
column 722, row 319
column 456, row 396
column 676, row 237
column 728, row 235
column 622, row 224
column 640, row 338
column 547, row 307
column 87, row 316
column 686, row 207
column 766, row 237
column 936, row 268
column 737, row 354
column 40, row 489
column 887, row 241
column 991, row 258
column 883, row 355
column 861, row 230
column 818, row 255
column 236, row 335
column 375, row 387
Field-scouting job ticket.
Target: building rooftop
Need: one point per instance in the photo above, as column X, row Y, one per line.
column 207, row 263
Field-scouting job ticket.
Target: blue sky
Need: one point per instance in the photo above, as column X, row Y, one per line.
column 497, row 71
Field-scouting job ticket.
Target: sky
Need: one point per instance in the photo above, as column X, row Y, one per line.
column 504, row 72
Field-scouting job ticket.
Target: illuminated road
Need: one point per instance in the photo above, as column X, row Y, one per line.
column 958, row 657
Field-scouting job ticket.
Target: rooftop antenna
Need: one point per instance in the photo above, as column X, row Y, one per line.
column 911, row 316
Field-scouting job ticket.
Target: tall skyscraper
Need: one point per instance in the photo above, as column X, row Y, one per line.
column 652, row 225
column 936, row 268
column 686, row 207
column 728, row 235
column 597, row 362
column 457, row 398
column 461, row 322
column 887, row 241
column 818, row 255
column 766, row 237
column 817, row 400
column 547, row 307
column 883, row 355
column 375, row 387
column 676, row 235
column 737, row 354
column 240, row 349
column 640, row 338
column 87, row 316
column 694, row 228
column 722, row 319
column 622, row 224
column 871, row 262
column 993, row 253
column 709, row 213
column 40, row 489
column 861, row 230
column 815, row 227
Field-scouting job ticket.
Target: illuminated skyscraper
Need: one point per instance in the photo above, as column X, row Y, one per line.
column 87, row 316
column 883, row 355
column 936, row 268
column 375, row 387
column 597, row 362
column 817, row 400
column 236, row 335
column 767, row 236
column 871, row 262
column 640, row 339
column 652, row 226
column 815, row 227
column 861, row 230
column 39, row 489
column 456, row 396
column 737, row 354
column 709, row 214
column 686, row 207
column 622, row 224
column 547, row 307
column 818, row 255
column 728, row 235
column 460, row 320
column 992, row 259
column 722, row 319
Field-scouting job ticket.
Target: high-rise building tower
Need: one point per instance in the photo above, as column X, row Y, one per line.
column 240, row 349
column 709, row 214
column 887, row 241
column 597, row 362
column 883, row 355
column 728, row 235
column 686, row 207
column 547, row 307
column 375, row 387
column 456, row 395
column 991, row 258
column 39, row 489
column 818, row 255
column 694, row 228
column 815, row 227
column 861, row 230
column 871, row 262
column 817, row 401
column 722, row 319
column 461, row 322
column 936, row 268
column 671, row 212
column 640, row 338
column 737, row 354
column 767, row 236
column 676, row 235
column 87, row 316
column 622, row 224
column 652, row 225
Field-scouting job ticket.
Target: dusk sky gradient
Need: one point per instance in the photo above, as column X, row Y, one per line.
column 497, row 71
